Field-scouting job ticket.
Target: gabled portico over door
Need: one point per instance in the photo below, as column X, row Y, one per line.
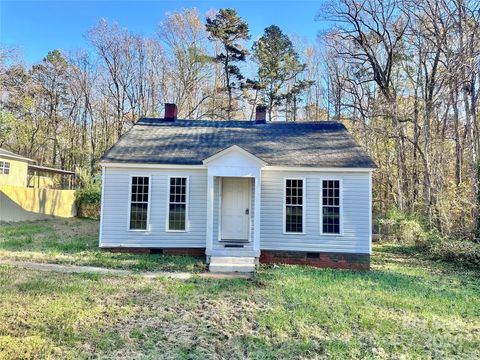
column 233, row 203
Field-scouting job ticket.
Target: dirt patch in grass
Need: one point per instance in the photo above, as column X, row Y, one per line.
column 71, row 228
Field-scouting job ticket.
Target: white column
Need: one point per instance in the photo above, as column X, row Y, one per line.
column 256, row 218
column 209, row 239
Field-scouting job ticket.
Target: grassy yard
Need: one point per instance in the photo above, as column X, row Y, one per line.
column 75, row 241
column 405, row 307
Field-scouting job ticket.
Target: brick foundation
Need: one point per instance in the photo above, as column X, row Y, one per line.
column 322, row 260
column 166, row 251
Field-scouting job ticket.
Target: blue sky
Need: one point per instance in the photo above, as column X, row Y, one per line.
column 36, row 27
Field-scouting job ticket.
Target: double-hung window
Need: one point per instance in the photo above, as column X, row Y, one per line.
column 294, row 192
column 177, row 206
column 331, row 206
column 4, row 167
column 139, row 202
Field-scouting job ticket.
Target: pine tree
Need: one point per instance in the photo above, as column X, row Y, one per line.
column 278, row 63
column 229, row 30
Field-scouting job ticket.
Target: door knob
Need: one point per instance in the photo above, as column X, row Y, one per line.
column 247, row 211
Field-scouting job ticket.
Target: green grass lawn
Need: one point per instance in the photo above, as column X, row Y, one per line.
column 405, row 307
column 75, row 241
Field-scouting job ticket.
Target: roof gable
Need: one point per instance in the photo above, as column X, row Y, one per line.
column 234, row 155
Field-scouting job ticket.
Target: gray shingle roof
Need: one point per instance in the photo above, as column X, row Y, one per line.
column 189, row 142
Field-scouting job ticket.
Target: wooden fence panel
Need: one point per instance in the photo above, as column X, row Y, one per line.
column 22, row 203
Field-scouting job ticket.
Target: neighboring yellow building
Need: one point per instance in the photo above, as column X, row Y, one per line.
column 13, row 168
column 33, row 192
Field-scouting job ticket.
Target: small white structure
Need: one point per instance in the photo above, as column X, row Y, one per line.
column 239, row 192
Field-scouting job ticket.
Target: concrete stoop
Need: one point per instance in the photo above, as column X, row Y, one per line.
column 228, row 264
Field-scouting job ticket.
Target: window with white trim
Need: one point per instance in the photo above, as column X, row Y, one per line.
column 139, row 202
column 294, row 205
column 177, row 207
column 4, row 167
column 330, row 206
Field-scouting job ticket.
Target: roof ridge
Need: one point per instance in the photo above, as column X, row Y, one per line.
column 153, row 121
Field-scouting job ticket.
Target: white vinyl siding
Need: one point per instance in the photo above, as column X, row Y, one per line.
column 355, row 193
column 114, row 232
column 355, row 211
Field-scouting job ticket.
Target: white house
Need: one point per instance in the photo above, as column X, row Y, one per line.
column 239, row 192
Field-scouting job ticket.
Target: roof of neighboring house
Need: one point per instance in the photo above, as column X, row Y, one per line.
column 11, row 155
column 50, row 170
column 189, row 142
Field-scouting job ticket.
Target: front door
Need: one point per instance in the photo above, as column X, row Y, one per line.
column 235, row 208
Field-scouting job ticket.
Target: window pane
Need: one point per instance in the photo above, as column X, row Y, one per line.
column 177, row 203
column 177, row 215
column 331, row 206
column 138, row 216
column 139, row 203
column 293, row 203
column 294, row 219
column 331, row 219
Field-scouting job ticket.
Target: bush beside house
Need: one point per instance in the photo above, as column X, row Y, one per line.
column 88, row 201
column 409, row 230
column 88, row 196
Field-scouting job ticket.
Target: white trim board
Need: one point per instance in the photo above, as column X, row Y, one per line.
column 150, row 166
column 204, row 167
column 102, row 207
column 317, row 169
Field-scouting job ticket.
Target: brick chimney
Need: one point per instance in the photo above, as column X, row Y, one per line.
column 170, row 112
column 261, row 114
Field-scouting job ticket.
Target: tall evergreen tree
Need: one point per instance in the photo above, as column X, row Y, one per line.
column 229, row 30
column 278, row 63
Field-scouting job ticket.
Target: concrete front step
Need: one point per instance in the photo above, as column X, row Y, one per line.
column 225, row 264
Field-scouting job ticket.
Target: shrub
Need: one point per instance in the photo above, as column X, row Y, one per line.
column 400, row 227
column 461, row 252
column 88, row 201
column 407, row 229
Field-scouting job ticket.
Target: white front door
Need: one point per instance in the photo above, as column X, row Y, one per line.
column 235, row 208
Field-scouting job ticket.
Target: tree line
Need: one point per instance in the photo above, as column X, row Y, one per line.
column 402, row 75
column 70, row 107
